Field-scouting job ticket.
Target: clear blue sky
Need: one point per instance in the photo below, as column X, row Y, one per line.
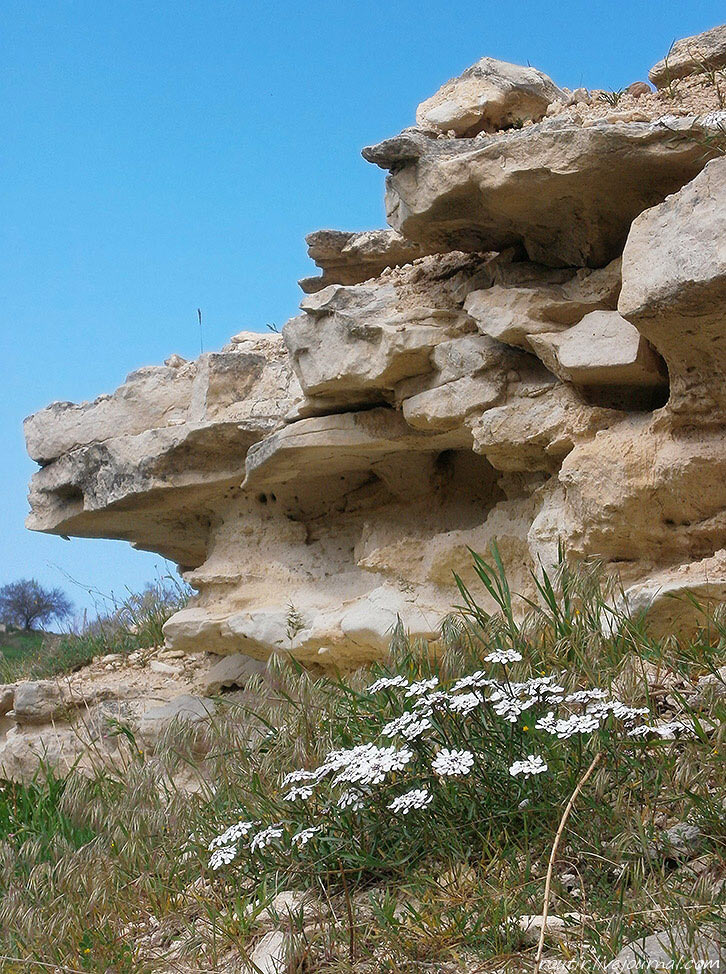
column 163, row 156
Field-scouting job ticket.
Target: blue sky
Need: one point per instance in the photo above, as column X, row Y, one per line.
column 164, row 156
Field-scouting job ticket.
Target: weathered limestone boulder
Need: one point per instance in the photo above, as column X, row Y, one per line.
column 690, row 55
column 351, row 258
column 511, row 313
column 674, row 292
column 567, row 193
column 532, row 355
column 666, row 596
column 489, row 95
column 155, row 481
column 353, row 345
column 601, row 350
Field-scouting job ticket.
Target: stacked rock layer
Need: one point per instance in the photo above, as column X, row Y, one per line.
column 534, row 354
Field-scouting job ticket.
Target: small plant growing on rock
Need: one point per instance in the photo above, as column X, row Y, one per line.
column 612, row 98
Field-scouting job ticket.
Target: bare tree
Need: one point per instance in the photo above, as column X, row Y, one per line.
column 27, row 604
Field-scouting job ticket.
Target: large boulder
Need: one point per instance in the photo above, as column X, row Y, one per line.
column 691, row 55
column 674, row 292
column 489, row 95
column 567, row 193
column 601, row 350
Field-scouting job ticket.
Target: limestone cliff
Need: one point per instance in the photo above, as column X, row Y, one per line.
column 533, row 353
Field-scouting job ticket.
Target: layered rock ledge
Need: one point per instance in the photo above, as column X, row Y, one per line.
column 532, row 354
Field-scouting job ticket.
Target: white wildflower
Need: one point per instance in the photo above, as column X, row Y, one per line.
column 415, row 799
column 450, row 763
column 368, row 764
column 503, row 656
column 567, row 727
column 301, row 793
column 473, row 681
column 409, row 725
column 422, row 686
column 666, row 731
column 464, row 703
column 295, row 777
column 222, row 857
column 233, row 834
column 352, row 800
column 586, row 696
column 266, row 837
column 547, row 723
column 305, row 835
column 533, row 764
column 387, row 682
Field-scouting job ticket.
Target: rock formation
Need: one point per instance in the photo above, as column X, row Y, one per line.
column 532, row 354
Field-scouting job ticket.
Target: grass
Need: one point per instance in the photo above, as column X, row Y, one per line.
column 122, row 626
column 114, row 873
column 18, row 647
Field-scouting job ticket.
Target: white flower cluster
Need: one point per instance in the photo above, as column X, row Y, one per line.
column 367, row 764
column 222, row 857
column 302, row 837
column 266, row 837
column 299, row 793
column 411, row 801
column 409, row 725
column 232, row 835
column 421, row 687
column 597, row 708
column 667, row 731
column 363, row 768
column 451, row 763
column 503, row 656
column 533, row 764
column 387, row 683
column 351, row 799
column 474, row 681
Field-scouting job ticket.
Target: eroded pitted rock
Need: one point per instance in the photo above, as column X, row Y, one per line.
column 353, row 345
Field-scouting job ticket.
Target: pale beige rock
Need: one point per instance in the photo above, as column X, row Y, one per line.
column 601, row 350
column 690, row 55
column 149, row 487
column 185, row 709
column 270, row 954
column 354, row 344
column 351, row 258
column 489, row 95
column 512, row 314
column 7, row 699
column 674, row 292
column 231, row 671
column 538, row 426
column 666, row 597
column 672, row 948
column 568, row 194
column 320, row 488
